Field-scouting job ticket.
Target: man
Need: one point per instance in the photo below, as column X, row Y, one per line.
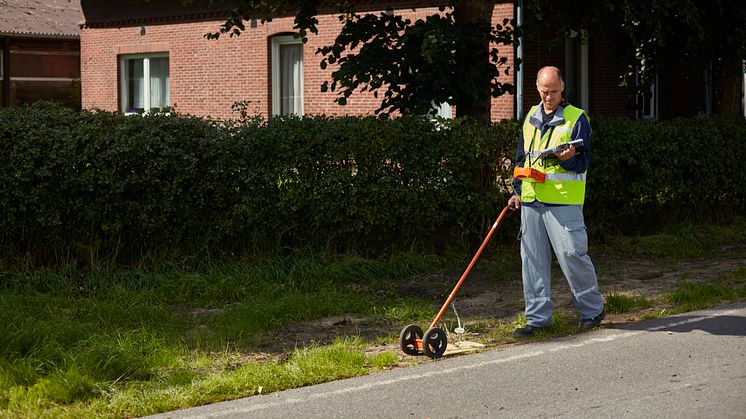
column 552, row 210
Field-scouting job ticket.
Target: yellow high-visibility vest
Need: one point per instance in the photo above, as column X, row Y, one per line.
column 560, row 186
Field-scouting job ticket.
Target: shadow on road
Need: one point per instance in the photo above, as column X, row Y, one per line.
column 727, row 325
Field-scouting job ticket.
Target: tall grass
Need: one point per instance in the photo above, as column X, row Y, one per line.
column 128, row 342
column 690, row 296
column 617, row 303
column 682, row 239
column 138, row 341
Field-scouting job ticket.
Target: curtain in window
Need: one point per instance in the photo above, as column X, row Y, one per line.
column 444, row 110
column 159, row 83
column 135, row 86
column 291, row 79
column 572, row 70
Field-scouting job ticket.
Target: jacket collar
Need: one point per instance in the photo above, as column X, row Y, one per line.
column 558, row 119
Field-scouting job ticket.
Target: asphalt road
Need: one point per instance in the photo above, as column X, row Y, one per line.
column 688, row 366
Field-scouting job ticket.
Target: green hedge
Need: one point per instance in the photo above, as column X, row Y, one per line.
column 645, row 174
column 100, row 185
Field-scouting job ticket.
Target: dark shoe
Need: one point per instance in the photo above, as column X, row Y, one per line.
column 527, row 331
column 588, row 324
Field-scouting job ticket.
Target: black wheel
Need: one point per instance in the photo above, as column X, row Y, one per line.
column 408, row 339
column 434, row 342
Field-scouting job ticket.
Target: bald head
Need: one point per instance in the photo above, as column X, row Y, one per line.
column 550, row 73
column 550, row 85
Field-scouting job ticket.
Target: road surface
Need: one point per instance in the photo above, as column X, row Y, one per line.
column 688, row 366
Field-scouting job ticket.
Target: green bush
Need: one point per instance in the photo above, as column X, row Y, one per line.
column 98, row 186
column 645, row 174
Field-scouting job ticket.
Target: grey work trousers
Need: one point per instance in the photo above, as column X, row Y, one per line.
column 563, row 229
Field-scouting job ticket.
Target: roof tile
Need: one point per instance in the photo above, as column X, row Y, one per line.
column 40, row 17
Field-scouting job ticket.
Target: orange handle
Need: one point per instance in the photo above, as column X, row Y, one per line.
column 471, row 265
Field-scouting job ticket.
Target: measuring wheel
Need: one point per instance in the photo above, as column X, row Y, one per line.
column 410, row 339
column 434, row 342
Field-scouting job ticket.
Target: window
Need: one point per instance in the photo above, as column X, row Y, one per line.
column 2, row 79
column 145, row 83
column 647, row 103
column 576, row 68
column 287, row 75
column 705, row 103
column 743, row 88
column 443, row 110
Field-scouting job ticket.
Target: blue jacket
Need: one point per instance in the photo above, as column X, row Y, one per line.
column 578, row 163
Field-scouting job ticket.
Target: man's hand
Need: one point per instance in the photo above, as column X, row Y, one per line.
column 514, row 202
column 566, row 154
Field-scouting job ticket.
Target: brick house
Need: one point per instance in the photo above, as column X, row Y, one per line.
column 40, row 56
column 139, row 56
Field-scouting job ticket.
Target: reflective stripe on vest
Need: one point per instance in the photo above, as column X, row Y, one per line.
column 560, row 186
column 579, row 177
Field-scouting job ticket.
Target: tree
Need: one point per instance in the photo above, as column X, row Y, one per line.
column 665, row 35
column 451, row 56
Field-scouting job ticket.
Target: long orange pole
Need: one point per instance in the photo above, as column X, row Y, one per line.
column 468, row 269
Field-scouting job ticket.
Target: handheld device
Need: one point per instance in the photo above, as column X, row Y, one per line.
column 528, row 174
column 549, row 151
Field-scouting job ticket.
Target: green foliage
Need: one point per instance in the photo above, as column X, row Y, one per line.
column 560, row 326
column 418, row 64
column 384, row 360
column 620, row 303
column 128, row 343
column 658, row 37
column 682, row 239
column 99, row 186
column 644, row 174
column 92, row 187
column 690, row 296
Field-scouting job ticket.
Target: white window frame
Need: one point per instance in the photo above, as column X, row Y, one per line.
column 743, row 87
column 707, row 90
column 146, row 80
column 570, row 65
column 277, row 42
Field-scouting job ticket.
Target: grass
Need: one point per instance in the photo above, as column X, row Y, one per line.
column 502, row 331
column 650, row 315
column 681, row 240
column 692, row 296
column 116, row 343
column 619, row 303
column 71, row 393
column 137, row 341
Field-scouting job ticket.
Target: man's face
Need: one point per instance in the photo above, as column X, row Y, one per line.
column 550, row 90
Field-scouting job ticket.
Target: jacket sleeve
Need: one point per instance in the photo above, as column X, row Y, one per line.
column 580, row 162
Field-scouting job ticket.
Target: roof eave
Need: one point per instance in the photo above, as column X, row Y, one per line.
column 63, row 36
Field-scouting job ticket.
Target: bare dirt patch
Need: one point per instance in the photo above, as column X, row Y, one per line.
column 484, row 299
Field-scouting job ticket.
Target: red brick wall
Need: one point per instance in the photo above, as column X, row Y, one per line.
column 680, row 93
column 42, row 69
column 44, row 64
column 605, row 96
column 208, row 76
column 503, row 107
column 537, row 53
